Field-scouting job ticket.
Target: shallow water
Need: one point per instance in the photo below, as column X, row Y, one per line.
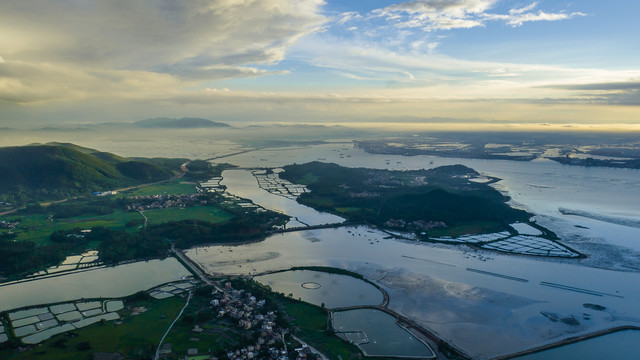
column 242, row 183
column 475, row 299
column 109, row 282
column 621, row 345
column 541, row 186
column 385, row 337
column 316, row 287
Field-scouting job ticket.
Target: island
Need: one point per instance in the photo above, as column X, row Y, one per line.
column 435, row 202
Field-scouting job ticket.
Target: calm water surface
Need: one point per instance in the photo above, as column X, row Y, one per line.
column 316, row 287
column 242, row 183
column 385, row 337
column 542, row 186
column 621, row 345
column 110, row 282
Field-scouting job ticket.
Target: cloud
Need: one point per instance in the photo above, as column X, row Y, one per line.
column 26, row 83
column 518, row 19
column 605, row 86
column 348, row 16
column 162, row 39
column 433, row 15
column 523, row 9
column 612, row 93
column 436, row 14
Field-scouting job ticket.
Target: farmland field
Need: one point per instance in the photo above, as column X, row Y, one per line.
column 203, row 213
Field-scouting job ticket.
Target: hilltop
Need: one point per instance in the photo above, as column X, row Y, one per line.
column 183, row 123
column 54, row 171
column 439, row 200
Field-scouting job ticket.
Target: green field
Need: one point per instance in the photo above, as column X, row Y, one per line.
column 219, row 335
column 203, row 213
column 38, row 227
column 174, row 187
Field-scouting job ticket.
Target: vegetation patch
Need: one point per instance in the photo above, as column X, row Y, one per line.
column 201, row 213
column 135, row 336
column 175, row 187
column 57, row 171
column 418, row 201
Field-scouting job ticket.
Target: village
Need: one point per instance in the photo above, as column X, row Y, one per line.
column 249, row 314
column 8, row 224
column 148, row 202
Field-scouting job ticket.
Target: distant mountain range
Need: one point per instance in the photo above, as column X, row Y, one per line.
column 183, row 123
column 57, row 170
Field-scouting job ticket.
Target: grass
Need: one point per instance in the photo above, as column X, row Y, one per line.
column 308, row 178
column 344, row 210
column 218, row 336
column 135, row 338
column 203, row 213
column 176, row 187
column 38, row 228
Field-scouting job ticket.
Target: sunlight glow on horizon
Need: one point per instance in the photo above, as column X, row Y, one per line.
column 320, row 61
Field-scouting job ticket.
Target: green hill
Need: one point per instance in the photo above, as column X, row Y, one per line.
column 54, row 171
column 407, row 200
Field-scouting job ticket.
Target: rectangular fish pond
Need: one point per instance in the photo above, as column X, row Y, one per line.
column 377, row 333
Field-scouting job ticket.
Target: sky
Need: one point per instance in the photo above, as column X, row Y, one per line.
column 332, row 61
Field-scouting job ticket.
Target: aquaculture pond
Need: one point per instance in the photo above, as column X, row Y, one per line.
column 244, row 184
column 318, row 287
column 107, row 282
column 376, row 333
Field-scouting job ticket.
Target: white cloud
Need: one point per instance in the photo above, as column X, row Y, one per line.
column 433, row 15
column 419, row 75
column 518, row 19
column 348, row 16
column 409, row 76
column 182, row 41
column 523, row 9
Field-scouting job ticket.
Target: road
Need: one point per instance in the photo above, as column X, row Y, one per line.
column 145, row 218
column 192, row 266
column 170, row 326
column 177, row 176
column 313, row 350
